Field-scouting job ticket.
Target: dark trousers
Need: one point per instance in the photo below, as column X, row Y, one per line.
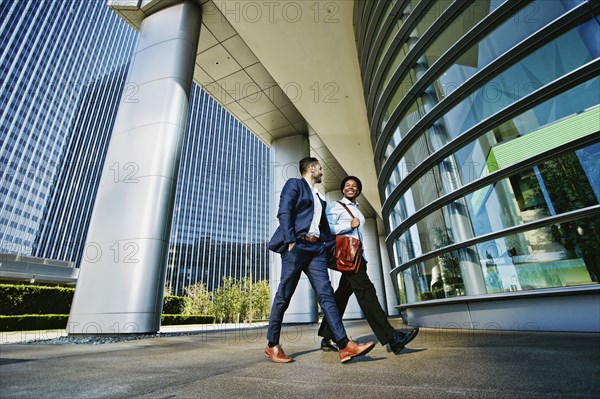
column 360, row 284
column 307, row 257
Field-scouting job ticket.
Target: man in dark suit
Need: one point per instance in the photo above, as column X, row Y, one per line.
column 300, row 239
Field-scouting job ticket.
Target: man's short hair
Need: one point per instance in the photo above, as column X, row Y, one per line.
column 306, row 163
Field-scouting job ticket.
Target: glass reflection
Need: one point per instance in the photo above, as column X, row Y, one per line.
column 470, row 17
column 570, row 51
column 478, row 158
column 523, row 24
column 566, row 183
column 428, row 19
column 395, row 28
column 514, row 30
column 560, row 255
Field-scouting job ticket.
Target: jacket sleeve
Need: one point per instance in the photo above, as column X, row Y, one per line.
column 336, row 224
column 286, row 213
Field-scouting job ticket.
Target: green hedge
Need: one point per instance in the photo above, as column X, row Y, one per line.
column 33, row 322
column 179, row 319
column 33, row 307
column 34, row 299
column 176, row 304
column 59, row 321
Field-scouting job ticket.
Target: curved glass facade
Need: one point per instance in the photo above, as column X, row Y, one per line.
column 485, row 118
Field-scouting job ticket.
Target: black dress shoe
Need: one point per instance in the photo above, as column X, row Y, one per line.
column 400, row 340
column 328, row 345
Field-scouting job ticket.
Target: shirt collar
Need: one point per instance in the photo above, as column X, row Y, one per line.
column 307, row 181
column 313, row 188
column 348, row 202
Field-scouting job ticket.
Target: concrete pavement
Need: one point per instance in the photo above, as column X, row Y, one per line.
column 231, row 364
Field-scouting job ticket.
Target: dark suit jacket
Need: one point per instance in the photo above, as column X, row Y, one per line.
column 295, row 214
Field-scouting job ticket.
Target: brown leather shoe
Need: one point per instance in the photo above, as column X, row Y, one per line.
column 277, row 354
column 354, row 349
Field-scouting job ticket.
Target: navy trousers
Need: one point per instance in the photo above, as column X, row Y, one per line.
column 307, row 257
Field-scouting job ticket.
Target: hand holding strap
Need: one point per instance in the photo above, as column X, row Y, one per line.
column 348, row 209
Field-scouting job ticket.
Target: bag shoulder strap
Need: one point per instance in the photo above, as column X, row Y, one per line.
column 346, row 207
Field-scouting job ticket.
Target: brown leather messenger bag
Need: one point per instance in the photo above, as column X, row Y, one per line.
column 347, row 254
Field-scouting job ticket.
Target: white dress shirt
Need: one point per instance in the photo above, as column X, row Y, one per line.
column 314, row 231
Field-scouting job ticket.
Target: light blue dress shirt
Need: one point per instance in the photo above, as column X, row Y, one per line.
column 339, row 220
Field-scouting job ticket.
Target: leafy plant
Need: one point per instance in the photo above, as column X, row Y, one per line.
column 200, row 300
column 227, row 301
column 261, row 300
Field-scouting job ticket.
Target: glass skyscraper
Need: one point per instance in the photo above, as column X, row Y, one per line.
column 485, row 120
column 56, row 98
column 222, row 200
column 61, row 84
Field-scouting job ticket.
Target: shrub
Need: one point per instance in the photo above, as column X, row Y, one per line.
column 33, row 307
column 33, row 322
column 426, row 296
column 261, row 302
column 178, row 319
column 234, row 300
column 200, row 300
column 34, row 299
column 176, row 304
column 59, row 321
column 228, row 301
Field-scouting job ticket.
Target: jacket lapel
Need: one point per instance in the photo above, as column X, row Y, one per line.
column 308, row 192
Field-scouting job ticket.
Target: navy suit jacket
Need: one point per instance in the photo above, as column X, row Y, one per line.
column 296, row 209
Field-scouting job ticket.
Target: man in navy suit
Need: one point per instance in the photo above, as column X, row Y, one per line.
column 300, row 239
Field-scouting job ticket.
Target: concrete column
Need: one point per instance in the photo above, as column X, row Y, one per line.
column 122, row 275
column 287, row 152
column 391, row 295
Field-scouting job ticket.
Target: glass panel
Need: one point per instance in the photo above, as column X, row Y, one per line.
column 436, row 278
column 554, row 256
column 398, row 58
column 560, row 185
column 414, row 114
column 421, row 237
column 408, row 163
column 396, row 27
column 477, row 158
column 401, row 90
column 384, row 16
column 523, row 24
column 560, row 255
column 478, row 10
column 569, row 51
column 526, row 22
column 372, row 21
column 426, row 21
